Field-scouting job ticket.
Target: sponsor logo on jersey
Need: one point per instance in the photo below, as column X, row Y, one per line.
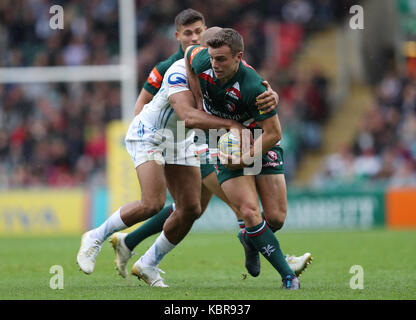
column 230, row 107
column 234, row 91
column 177, row 78
column 207, row 75
column 155, row 79
column 272, row 164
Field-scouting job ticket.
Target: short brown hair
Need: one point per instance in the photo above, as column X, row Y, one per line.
column 229, row 37
column 187, row 17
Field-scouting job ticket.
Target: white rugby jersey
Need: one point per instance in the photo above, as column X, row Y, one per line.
column 158, row 113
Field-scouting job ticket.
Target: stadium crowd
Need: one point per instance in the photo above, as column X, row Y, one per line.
column 384, row 149
column 53, row 134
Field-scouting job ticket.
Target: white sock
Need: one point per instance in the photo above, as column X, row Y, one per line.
column 157, row 251
column 111, row 225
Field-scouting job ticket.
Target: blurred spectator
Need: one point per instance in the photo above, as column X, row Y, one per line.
column 339, row 167
column 43, row 142
column 405, row 175
column 298, row 11
column 75, row 53
column 384, row 149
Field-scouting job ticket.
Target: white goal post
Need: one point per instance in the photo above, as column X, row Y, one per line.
column 125, row 72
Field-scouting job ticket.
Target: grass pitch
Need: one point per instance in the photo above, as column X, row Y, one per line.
column 210, row 266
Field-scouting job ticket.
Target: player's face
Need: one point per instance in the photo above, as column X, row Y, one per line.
column 190, row 34
column 224, row 64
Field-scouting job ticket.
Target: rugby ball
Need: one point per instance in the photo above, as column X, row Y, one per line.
column 229, row 144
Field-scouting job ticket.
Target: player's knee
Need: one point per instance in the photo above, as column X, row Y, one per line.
column 193, row 210
column 276, row 224
column 248, row 211
column 154, row 207
column 157, row 205
column 277, row 220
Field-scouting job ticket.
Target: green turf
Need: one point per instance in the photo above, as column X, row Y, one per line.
column 211, row 266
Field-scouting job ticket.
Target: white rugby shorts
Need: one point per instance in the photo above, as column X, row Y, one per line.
column 149, row 145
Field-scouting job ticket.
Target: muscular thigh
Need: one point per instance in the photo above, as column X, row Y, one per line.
column 152, row 182
column 242, row 193
column 184, row 183
column 211, row 184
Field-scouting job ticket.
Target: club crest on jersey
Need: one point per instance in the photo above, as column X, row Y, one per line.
column 272, row 155
column 176, row 78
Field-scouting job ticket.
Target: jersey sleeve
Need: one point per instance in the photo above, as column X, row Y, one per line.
column 256, row 88
column 153, row 81
column 176, row 80
column 155, row 78
column 198, row 57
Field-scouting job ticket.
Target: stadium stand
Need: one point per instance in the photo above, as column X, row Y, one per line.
column 384, row 148
column 53, row 134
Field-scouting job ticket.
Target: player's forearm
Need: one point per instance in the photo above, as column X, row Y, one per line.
column 199, row 119
column 261, row 146
column 272, row 133
column 144, row 98
column 184, row 105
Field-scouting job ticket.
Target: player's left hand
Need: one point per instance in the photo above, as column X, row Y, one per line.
column 268, row 100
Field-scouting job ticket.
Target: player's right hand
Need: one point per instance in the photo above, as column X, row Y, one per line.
column 268, row 100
